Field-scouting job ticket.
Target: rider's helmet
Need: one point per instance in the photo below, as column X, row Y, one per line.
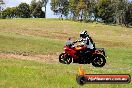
column 83, row 34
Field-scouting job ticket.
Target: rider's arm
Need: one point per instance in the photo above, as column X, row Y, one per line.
column 77, row 41
column 80, row 40
column 91, row 39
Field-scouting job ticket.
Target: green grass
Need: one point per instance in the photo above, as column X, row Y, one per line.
column 14, row 43
column 30, row 74
column 47, row 36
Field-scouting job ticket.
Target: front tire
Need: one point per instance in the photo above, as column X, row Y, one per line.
column 65, row 58
column 98, row 61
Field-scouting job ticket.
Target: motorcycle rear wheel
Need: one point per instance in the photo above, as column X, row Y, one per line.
column 65, row 58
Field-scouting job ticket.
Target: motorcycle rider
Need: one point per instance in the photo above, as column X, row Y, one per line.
column 86, row 40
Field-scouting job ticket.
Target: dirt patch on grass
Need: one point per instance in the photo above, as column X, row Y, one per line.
column 112, row 43
column 41, row 58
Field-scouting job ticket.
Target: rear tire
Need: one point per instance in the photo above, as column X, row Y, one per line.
column 65, row 58
column 98, row 61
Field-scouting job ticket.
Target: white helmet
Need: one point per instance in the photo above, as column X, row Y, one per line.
column 83, row 34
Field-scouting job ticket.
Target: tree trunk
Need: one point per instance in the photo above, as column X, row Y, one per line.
column 117, row 18
column 45, row 11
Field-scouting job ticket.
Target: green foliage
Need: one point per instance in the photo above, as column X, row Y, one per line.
column 23, row 10
column 128, row 15
column 43, row 4
column 120, row 7
column 1, row 7
column 73, row 6
column 80, row 8
column 105, row 11
column 75, row 9
column 36, row 8
column 110, row 11
column 60, row 7
column 9, row 12
column 26, row 11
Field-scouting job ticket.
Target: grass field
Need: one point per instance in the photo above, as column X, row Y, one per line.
column 47, row 37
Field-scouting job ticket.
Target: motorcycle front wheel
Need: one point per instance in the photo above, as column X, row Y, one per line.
column 65, row 58
column 98, row 61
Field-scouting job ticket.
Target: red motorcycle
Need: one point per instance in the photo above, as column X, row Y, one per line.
column 80, row 54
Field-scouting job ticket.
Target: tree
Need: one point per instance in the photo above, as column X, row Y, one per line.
column 128, row 15
column 44, row 3
column 81, row 8
column 33, row 5
column 60, row 7
column 64, row 8
column 120, row 7
column 23, row 10
column 36, row 9
column 9, row 12
column 75, row 9
column 54, row 6
column 86, row 9
column 1, row 7
column 105, row 11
